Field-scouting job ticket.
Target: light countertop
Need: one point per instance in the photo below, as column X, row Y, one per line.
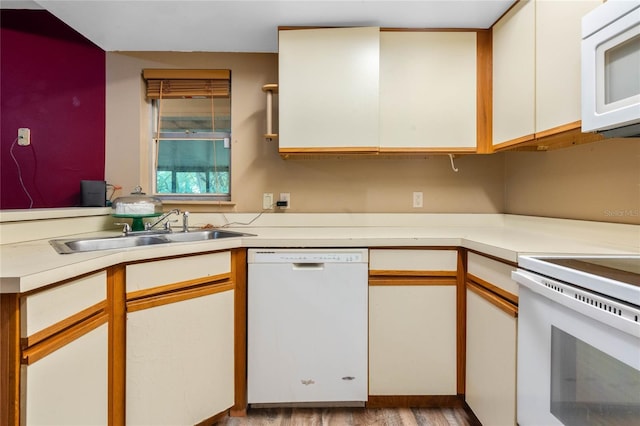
column 28, row 265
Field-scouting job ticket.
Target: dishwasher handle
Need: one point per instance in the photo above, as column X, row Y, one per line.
column 307, row 266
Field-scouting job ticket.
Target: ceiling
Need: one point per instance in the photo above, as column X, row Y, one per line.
column 247, row 26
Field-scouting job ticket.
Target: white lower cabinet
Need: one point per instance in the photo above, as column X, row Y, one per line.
column 492, row 324
column 412, row 340
column 65, row 346
column 412, row 322
column 180, row 361
column 179, row 340
column 69, row 386
column 491, row 362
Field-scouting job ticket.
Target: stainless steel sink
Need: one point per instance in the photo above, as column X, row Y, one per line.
column 67, row 246
column 209, row 234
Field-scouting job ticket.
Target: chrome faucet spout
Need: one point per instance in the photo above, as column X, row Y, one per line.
column 149, row 226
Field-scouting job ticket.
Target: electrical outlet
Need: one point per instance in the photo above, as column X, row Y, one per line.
column 417, row 200
column 24, row 136
column 267, row 201
column 285, row 196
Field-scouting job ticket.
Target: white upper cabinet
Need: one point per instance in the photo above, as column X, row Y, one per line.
column 362, row 90
column 514, row 75
column 328, row 89
column 428, row 90
column 536, row 70
column 558, row 72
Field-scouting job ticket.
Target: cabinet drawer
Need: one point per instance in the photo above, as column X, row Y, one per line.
column 493, row 272
column 413, row 260
column 142, row 276
column 43, row 309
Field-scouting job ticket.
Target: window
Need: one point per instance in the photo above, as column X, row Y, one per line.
column 191, row 133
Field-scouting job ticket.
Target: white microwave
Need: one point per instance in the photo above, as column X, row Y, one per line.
column 611, row 69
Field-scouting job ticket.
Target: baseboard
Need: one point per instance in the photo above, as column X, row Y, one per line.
column 417, row 401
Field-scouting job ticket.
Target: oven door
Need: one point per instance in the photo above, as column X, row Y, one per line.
column 610, row 84
column 578, row 359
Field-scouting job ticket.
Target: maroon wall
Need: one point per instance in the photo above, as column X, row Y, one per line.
column 53, row 82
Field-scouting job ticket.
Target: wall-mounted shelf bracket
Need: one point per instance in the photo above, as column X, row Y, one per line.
column 270, row 89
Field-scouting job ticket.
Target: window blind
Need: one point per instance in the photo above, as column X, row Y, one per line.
column 176, row 83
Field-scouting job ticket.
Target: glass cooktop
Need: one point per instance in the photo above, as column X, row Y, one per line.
column 623, row 269
column 616, row 276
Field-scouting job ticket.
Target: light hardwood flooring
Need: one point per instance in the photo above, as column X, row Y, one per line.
column 353, row 416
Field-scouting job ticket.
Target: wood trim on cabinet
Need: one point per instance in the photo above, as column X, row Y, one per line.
column 559, row 129
column 62, row 338
column 213, row 420
column 425, row 150
column 179, row 295
column 52, row 330
column 494, row 299
column 354, row 150
column 497, row 259
column 239, row 277
column 565, row 136
column 404, row 277
column 461, row 323
column 328, row 150
column 400, row 281
column 173, row 287
column 510, row 297
column 484, row 96
column 558, row 137
column 10, row 359
column 514, row 142
column 116, row 297
column 404, row 281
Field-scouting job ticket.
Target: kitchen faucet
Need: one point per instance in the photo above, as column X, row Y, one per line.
column 148, row 226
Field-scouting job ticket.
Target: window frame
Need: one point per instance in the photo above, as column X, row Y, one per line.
column 155, row 137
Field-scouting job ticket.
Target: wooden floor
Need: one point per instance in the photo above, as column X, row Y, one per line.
column 353, row 416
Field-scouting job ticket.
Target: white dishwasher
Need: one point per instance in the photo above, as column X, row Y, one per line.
column 307, row 327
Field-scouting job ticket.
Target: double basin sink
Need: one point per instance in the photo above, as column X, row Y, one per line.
column 145, row 238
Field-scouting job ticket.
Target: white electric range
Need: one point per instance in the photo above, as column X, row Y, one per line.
column 578, row 340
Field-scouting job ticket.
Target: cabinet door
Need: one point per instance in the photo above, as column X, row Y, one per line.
column 180, row 361
column 412, row 322
column 558, row 39
column 328, row 89
column 427, row 90
column 69, row 386
column 491, row 340
column 64, row 375
column 491, row 362
column 412, row 340
column 514, row 75
column 536, row 70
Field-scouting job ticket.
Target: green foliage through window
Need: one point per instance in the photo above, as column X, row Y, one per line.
column 192, row 151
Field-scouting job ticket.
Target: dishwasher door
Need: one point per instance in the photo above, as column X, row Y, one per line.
column 307, row 327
